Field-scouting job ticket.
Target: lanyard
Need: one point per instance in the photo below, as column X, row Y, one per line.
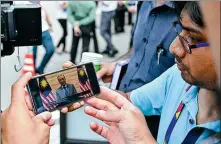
column 192, row 136
column 173, row 122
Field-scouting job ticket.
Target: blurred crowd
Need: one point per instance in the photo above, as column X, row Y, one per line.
column 82, row 17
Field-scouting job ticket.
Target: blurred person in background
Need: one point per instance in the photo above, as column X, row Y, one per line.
column 108, row 9
column 62, row 19
column 81, row 15
column 132, row 9
column 47, row 42
column 119, row 18
column 150, row 55
column 94, row 34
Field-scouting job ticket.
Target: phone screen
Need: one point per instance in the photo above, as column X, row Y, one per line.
column 62, row 88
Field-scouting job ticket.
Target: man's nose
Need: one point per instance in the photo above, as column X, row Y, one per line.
column 177, row 48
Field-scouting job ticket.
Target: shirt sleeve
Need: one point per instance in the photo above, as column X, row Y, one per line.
column 150, row 98
column 70, row 12
column 91, row 17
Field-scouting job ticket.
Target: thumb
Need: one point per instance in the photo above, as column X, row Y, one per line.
column 17, row 90
column 43, row 117
column 101, row 73
column 67, row 64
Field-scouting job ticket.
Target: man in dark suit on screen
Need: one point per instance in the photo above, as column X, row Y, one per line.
column 65, row 90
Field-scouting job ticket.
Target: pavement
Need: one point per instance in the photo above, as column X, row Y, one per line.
column 9, row 76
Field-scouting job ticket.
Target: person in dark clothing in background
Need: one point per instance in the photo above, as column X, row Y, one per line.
column 81, row 15
column 62, row 19
column 108, row 9
column 94, row 35
column 47, row 43
column 119, row 19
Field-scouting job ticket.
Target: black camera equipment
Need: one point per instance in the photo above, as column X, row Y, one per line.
column 20, row 26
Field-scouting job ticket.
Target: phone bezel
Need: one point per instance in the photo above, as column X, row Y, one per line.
column 91, row 76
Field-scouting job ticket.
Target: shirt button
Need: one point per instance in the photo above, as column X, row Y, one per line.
column 125, row 85
column 191, row 121
column 136, row 65
column 144, row 40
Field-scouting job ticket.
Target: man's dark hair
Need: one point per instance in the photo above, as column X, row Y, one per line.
column 179, row 5
column 192, row 9
column 60, row 76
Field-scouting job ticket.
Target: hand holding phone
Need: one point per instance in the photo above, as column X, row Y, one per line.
column 58, row 89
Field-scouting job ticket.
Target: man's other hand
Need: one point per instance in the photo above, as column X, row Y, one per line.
column 126, row 123
column 106, row 72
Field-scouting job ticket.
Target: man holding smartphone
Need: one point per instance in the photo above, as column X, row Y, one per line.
column 185, row 96
column 150, row 55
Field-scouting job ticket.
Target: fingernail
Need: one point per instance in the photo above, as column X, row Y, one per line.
column 68, row 62
column 76, row 105
column 101, row 112
column 28, row 74
column 46, row 116
column 82, row 103
column 87, row 108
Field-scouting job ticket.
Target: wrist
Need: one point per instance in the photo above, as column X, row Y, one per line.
column 148, row 139
column 76, row 24
column 147, row 142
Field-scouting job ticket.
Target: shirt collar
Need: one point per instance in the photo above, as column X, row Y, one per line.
column 191, row 93
column 191, row 102
column 167, row 3
column 214, row 126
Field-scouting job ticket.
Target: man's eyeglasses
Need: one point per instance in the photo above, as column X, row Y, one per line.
column 185, row 42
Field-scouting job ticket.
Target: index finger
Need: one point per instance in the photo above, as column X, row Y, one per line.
column 101, row 104
column 116, row 98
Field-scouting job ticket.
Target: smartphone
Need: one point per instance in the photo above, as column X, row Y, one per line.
column 59, row 89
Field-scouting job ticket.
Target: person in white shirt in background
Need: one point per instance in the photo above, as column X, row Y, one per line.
column 108, row 12
column 62, row 19
column 47, row 42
